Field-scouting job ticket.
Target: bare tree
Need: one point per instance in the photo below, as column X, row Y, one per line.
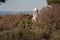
column 2, row 1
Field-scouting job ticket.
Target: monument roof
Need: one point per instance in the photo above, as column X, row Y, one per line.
column 35, row 8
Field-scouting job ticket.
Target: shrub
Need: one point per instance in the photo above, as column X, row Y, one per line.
column 55, row 35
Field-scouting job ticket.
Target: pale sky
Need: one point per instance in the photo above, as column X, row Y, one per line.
column 22, row 5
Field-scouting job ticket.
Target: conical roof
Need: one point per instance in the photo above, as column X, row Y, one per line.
column 35, row 8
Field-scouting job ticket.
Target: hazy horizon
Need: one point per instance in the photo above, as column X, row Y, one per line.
column 22, row 5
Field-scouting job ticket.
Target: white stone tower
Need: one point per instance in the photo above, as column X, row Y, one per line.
column 35, row 14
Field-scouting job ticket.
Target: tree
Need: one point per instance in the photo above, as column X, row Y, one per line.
column 2, row 0
column 49, row 17
column 53, row 1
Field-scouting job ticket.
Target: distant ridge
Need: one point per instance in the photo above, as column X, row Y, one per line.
column 15, row 12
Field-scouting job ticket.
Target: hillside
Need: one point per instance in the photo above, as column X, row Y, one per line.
column 20, row 26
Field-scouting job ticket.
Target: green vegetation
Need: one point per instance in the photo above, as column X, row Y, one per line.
column 55, row 35
column 19, row 29
column 20, row 26
column 53, row 1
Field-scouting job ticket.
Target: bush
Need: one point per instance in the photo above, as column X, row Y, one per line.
column 21, row 34
column 55, row 35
